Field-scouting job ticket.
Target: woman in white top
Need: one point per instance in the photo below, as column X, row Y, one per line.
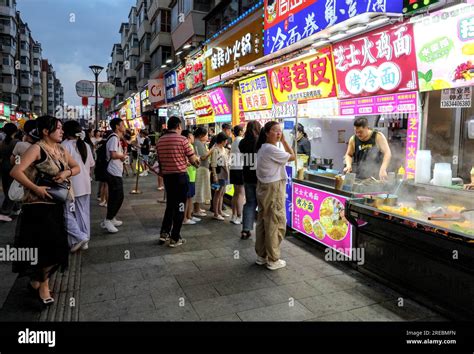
column 78, row 211
column 271, row 188
column 237, row 176
column 220, row 174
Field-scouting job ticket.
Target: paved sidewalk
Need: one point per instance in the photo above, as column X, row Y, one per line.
column 129, row 277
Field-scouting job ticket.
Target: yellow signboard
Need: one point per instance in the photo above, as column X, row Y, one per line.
column 255, row 93
column 304, row 79
column 204, row 112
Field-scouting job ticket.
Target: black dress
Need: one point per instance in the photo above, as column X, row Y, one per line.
column 42, row 226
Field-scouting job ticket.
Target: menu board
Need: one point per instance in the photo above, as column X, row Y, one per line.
column 255, row 93
column 385, row 104
column 380, row 62
column 320, row 216
column 204, row 112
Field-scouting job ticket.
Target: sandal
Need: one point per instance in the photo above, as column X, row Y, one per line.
column 245, row 235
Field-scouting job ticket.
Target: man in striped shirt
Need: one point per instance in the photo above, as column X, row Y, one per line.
column 174, row 153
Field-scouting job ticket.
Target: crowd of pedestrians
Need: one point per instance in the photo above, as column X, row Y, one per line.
column 54, row 163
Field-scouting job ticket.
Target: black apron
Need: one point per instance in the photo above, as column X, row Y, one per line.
column 367, row 157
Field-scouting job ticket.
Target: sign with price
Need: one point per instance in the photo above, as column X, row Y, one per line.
column 456, row 97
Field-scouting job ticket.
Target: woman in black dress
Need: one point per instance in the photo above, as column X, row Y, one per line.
column 41, row 224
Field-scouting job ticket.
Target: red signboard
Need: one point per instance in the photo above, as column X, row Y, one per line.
column 279, row 10
column 380, row 62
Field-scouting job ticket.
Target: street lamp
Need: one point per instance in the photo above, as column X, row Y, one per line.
column 96, row 69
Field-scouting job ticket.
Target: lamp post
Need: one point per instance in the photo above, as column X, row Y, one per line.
column 96, row 69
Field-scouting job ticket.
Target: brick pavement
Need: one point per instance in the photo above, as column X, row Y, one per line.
column 128, row 277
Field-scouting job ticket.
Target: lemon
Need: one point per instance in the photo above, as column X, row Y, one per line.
column 440, row 84
column 468, row 49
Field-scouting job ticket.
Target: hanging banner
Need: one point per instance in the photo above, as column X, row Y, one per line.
column 220, row 105
column 156, row 90
column 255, row 93
column 380, row 62
column 413, row 135
column 285, row 110
column 288, row 22
column 171, row 86
column 386, row 104
column 304, row 79
column 445, row 49
column 202, row 106
column 186, row 109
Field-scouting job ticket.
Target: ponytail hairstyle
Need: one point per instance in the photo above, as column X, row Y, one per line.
column 262, row 138
column 9, row 129
column 72, row 129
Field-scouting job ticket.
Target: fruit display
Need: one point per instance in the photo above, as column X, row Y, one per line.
column 464, row 71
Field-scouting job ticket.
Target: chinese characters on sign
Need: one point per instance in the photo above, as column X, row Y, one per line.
column 386, row 104
column 412, row 145
column 380, row 62
column 304, row 79
column 170, row 85
column 203, row 108
column 219, row 102
column 285, row 110
column 456, row 98
column 289, row 21
column 255, row 93
column 232, row 52
column 320, row 216
column 445, row 47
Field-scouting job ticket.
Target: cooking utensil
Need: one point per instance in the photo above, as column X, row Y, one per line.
column 391, row 200
column 423, row 202
column 450, row 216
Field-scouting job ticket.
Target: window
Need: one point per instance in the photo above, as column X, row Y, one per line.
column 202, row 5
column 36, row 49
column 213, row 24
column 25, row 91
column 165, row 21
column 24, row 60
column 231, row 12
column 155, row 62
column 7, row 60
column 135, row 42
column 36, row 62
column 174, row 17
column 165, row 53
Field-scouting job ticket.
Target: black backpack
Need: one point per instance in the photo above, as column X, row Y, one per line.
column 101, row 162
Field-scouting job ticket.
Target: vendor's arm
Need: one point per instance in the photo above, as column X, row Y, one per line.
column 349, row 155
column 382, row 143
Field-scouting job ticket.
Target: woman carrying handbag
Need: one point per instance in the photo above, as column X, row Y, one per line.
column 41, row 224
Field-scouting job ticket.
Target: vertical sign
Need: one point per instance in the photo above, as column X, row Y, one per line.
column 413, row 134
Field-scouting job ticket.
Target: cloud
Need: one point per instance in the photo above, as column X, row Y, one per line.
column 75, row 34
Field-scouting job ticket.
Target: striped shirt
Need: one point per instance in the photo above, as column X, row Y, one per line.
column 173, row 152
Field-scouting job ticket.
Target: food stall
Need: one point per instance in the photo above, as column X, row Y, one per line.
column 421, row 241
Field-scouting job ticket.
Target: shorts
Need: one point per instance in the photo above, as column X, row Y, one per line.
column 237, row 177
column 223, row 182
column 191, row 189
column 145, row 158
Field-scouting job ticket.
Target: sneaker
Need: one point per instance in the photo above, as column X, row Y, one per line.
column 261, row 261
column 163, row 238
column 189, row 222
column 201, row 213
column 78, row 246
column 99, row 199
column 195, row 219
column 225, row 215
column 218, row 217
column 103, row 204
column 235, row 221
column 5, row 218
column 107, row 224
column 160, row 188
column 276, row 265
column 85, row 246
column 144, row 174
column 116, row 222
column 174, row 243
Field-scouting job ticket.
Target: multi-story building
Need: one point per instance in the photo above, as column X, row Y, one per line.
column 159, row 15
column 22, row 83
column 144, row 39
column 8, row 52
column 131, row 53
column 58, row 94
column 187, row 24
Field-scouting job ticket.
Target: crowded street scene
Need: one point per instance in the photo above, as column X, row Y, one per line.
column 167, row 163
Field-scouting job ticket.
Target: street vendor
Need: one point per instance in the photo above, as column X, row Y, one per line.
column 368, row 154
column 302, row 142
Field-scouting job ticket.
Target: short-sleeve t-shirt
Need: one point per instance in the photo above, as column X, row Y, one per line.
column 271, row 163
column 20, row 148
column 201, row 150
column 81, row 183
column 173, row 152
column 115, row 166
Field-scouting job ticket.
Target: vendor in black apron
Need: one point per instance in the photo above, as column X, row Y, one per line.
column 368, row 154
